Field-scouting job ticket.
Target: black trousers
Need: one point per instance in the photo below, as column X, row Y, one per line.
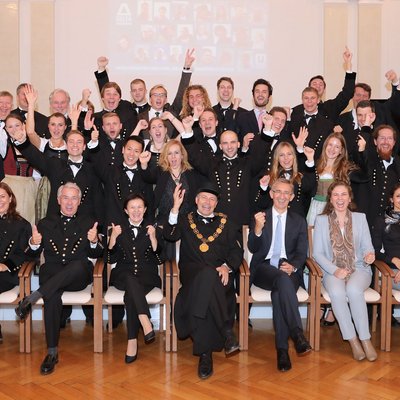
column 204, row 310
column 134, row 299
column 7, row 281
column 285, row 307
column 54, row 279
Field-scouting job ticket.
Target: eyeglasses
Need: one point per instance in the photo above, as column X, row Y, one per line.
column 158, row 95
column 282, row 192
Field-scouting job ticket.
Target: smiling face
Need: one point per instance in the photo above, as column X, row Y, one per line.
column 225, row 91
column 286, row 157
column 385, row 142
column 14, row 125
column 112, row 126
column 59, row 103
column 229, row 144
column 319, row 85
column 69, row 201
column 333, row 148
column 360, row 95
column 131, row 152
column 75, row 145
column 208, row 123
column 278, row 121
column 135, row 209
column 362, row 113
column 5, row 201
column 281, row 194
column 340, row 198
column 395, row 199
column 261, row 95
column 206, row 203
column 57, row 127
column 111, row 98
column 6, row 103
column 195, row 98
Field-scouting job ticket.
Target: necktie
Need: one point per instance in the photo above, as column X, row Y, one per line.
column 276, row 251
column 259, row 119
column 157, row 114
column 75, row 164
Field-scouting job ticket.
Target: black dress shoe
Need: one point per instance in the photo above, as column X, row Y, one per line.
column 150, row 337
column 301, row 345
column 328, row 323
column 23, row 309
column 283, row 363
column 205, row 369
column 48, row 364
column 231, row 344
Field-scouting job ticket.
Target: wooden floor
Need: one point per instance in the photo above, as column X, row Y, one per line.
column 81, row 374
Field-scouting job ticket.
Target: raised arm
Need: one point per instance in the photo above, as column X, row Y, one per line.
column 31, row 98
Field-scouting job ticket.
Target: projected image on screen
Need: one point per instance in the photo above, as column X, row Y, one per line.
column 152, row 34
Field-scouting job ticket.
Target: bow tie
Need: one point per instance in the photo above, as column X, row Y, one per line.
column 205, row 220
column 312, row 116
column 115, row 141
column 228, row 162
column 213, row 138
column 66, row 218
column 1, row 120
column 126, row 169
column 4, row 216
column 76, row 164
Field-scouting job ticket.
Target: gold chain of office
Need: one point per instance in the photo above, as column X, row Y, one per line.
column 204, row 246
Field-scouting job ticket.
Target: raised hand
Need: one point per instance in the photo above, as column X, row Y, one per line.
column 94, row 136
column 151, row 232
column 189, row 58
column 36, row 238
column 247, row 139
column 116, row 230
column 88, row 121
column 179, row 195
column 264, row 181
column 102, row 63
column 267, row 121
column 31, row 94
column 391, row 76
column 301, row 139
column 92, row 233
column 260, row 219
column 236, row 103
column 188, row 123
column 309, row 153
column 144, row 158
column 347, row 57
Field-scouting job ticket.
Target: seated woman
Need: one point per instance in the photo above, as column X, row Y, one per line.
column 136, row 247
column 343, row 248
column 15, row 232
column 386, row 236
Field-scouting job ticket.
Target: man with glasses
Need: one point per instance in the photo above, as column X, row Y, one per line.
column 278, row 241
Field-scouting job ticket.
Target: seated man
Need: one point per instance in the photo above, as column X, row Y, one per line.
column 67, row 239
column 278, row 242
column 209, row 252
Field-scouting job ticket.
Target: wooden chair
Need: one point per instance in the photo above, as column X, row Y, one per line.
column 258, row 295
column 377, row 296
column 393, row 298
column 162, row 297
column 13, row 297
column 87, row 296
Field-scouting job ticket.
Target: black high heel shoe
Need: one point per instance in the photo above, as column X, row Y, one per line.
column 150, row 337
column 131, row 359
column 324, row 321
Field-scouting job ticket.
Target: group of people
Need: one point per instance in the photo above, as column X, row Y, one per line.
column 126, row 182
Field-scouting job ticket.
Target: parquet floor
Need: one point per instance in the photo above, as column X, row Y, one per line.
column 328, row 374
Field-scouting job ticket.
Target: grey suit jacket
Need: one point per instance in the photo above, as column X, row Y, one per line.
column 322, row 246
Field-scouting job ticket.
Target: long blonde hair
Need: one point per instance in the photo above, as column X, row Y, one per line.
column 164, row 164
column 186, row 109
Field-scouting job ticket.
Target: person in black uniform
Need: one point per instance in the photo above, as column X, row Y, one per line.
column 136, row 246
column 209, row 252
column 15, row 232
column 67, row 239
